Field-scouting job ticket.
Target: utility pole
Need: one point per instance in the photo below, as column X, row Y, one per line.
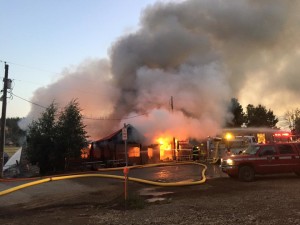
column 3, row 119
column 171, row 103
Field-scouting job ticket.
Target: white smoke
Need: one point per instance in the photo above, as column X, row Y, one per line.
column 200, row 52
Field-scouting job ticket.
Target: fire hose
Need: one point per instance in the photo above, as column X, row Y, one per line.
column 170, row 184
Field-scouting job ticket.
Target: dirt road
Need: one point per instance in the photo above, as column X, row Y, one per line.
column 268, row 200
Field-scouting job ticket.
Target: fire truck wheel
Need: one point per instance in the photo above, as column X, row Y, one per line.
column 246, row 173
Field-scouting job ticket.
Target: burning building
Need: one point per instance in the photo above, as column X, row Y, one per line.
column 164, row 148
column 112, row 147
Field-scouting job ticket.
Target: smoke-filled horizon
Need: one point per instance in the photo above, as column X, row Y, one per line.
column 200, row 52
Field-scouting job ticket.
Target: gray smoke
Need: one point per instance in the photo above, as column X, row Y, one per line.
column 201, row 52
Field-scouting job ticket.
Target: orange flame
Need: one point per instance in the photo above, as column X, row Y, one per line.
column 165, row 143
column 85, row 152
column 165, row 147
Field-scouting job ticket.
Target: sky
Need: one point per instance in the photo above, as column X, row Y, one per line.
column 126, row 61
column 40, row 39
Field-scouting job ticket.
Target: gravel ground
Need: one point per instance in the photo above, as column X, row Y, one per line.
column 268, row 200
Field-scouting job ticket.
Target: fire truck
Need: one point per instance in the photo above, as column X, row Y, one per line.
column 228, row 144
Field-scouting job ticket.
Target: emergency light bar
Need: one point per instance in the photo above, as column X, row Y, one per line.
column 282, row 134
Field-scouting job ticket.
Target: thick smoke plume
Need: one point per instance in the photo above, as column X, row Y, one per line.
column 199, row 52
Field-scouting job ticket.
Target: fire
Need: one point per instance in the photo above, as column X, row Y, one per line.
column 165, row 143
column 165, row 147
column 133, row 152
column 85, row 152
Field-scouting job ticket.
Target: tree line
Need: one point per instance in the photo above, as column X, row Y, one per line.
column 255, row 116
column 260, row 116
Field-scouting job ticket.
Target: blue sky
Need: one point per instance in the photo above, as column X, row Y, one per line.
column 39, row 39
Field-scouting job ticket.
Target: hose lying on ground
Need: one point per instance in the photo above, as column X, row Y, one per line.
column 171, row 184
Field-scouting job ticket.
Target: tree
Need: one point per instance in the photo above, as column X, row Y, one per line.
column 238, row 114
column 53, row 142
column 291, row 117
column 41, row 138
column 71, row 132
column 297, row 126
column 260, row 117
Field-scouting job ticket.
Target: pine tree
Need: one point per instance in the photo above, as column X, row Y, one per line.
column 52, row 142
column 41, row 140
column 71, row 133
column 238, row 114
column 260, row 117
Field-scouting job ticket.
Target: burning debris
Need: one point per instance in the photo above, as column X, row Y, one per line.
column 202, row 53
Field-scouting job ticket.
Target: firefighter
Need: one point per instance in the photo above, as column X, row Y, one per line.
column 228, row 151
column 195, row 153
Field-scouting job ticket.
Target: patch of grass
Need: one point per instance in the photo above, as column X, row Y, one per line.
column 10, row 150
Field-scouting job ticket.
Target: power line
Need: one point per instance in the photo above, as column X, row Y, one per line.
column 126, row 118
column 88, row 118
column 28, row 101
column 30, row 67
column 45, row 70
column 75, row 90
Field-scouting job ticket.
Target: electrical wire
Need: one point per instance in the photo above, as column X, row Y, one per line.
column 44, row 70
column 77, row 91
column 29, row 67
column 126, row 118
column 36, row 104
column 28, row 101
column 88, row 118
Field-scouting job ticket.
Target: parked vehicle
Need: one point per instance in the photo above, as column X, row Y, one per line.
column 263, row 159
